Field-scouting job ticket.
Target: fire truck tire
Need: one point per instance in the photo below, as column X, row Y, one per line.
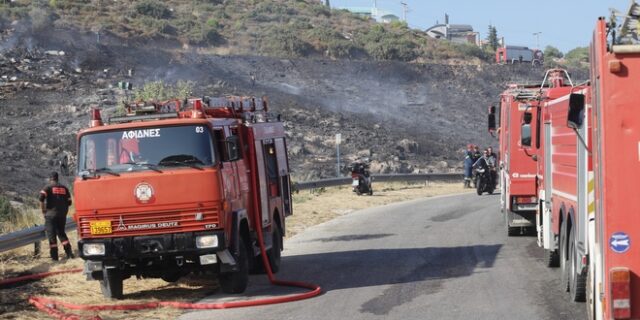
column 236, row 282
column 171, row 276
column 577, row 280
column 564, row 258
column 111, row 283
column 551, row 258
column 511, row 231
column 275, row 252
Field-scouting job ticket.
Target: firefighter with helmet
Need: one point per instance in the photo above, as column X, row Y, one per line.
column 55, row 200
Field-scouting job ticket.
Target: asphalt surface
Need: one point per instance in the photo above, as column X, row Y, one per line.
column 435, row 258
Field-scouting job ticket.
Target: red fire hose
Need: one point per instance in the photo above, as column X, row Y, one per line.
column 51, row 306
column 36, row 276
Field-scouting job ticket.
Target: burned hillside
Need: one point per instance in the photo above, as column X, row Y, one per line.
column 405, row 117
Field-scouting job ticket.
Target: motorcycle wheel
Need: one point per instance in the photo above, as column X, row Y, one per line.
column 480, row 188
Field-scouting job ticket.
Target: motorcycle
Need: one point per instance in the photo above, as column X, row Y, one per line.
column 361, row 178
column 484, row 181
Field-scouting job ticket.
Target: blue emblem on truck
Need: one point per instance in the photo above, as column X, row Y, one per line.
column 620, row 242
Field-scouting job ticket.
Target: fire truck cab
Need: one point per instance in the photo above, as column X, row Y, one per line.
column 180, row 187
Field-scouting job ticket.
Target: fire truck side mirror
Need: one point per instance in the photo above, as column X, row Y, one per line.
column 233, row 152
column 527, row 118
column 492, row 119
column 576, row 111
column 492, row 122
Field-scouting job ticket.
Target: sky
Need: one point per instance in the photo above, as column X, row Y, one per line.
column 564, row 24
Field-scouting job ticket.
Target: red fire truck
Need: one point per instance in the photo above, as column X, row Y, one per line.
column 591, row 150
column 559, row 85
column 517, row 167
column 181, row 187
column 561, row 223
column 613, row 280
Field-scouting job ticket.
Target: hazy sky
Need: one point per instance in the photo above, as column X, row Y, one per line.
column 564, row 24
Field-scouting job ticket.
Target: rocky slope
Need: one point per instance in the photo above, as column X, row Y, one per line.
column 406, row 117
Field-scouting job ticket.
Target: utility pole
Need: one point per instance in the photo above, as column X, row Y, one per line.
column 405, row 9
column 537, row 34
column 338, row 142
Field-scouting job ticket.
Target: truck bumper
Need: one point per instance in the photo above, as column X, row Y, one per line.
column 152, row 254
column 521, row 218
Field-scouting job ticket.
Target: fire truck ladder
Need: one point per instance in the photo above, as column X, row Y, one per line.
column 526, row 95
column 630, row 27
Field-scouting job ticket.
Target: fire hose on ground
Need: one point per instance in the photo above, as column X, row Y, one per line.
column 51, row 306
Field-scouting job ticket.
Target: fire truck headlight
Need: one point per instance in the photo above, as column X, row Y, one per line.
column 93, row 249
column 208, row 241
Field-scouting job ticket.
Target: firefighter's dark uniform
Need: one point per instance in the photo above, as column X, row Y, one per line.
column 57, row 200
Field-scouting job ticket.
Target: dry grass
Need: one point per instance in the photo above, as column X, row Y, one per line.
column 311, row 208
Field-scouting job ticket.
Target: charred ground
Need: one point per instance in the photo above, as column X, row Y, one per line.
column 406, row 117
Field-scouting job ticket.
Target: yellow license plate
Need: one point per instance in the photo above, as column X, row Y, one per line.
column 101, row 227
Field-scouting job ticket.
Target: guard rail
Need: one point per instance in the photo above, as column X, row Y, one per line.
column 36, row 234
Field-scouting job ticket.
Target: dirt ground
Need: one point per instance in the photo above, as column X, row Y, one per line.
column 311, row 207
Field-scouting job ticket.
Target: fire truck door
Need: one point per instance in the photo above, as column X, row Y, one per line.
column 229, row 173
column 262, row 183
column 283, row 174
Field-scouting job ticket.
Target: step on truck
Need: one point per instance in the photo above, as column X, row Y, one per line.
column 180, row 187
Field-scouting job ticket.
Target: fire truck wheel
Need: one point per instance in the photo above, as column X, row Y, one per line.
column 577, row 280
column 564, row 258
column 171, row 276
column 275, row 252
column 551, row 258
column 511, row 231
column 111, row 283
column 236, row 282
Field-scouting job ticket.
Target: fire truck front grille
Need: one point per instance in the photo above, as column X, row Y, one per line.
column 149, row 223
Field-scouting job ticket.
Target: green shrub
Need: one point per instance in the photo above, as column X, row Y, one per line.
column 153, row 8
column 320, row 10
column 326, row 39
column 159, row 90
column 212, row 23
column 6, row 210
column 471, row 50
column 40, row 18
column 382, row 44
column 399, row 24
column 283, row 41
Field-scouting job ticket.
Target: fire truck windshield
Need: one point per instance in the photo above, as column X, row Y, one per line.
column 148, row 148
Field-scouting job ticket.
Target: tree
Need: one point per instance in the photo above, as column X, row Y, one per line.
column 552, row 52
column 492, row 38
column 578, row 55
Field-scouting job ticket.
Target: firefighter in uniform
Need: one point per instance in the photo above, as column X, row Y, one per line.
column 55, row 200
column 468, row 163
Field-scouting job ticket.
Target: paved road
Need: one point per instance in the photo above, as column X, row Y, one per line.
column 438, row 258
